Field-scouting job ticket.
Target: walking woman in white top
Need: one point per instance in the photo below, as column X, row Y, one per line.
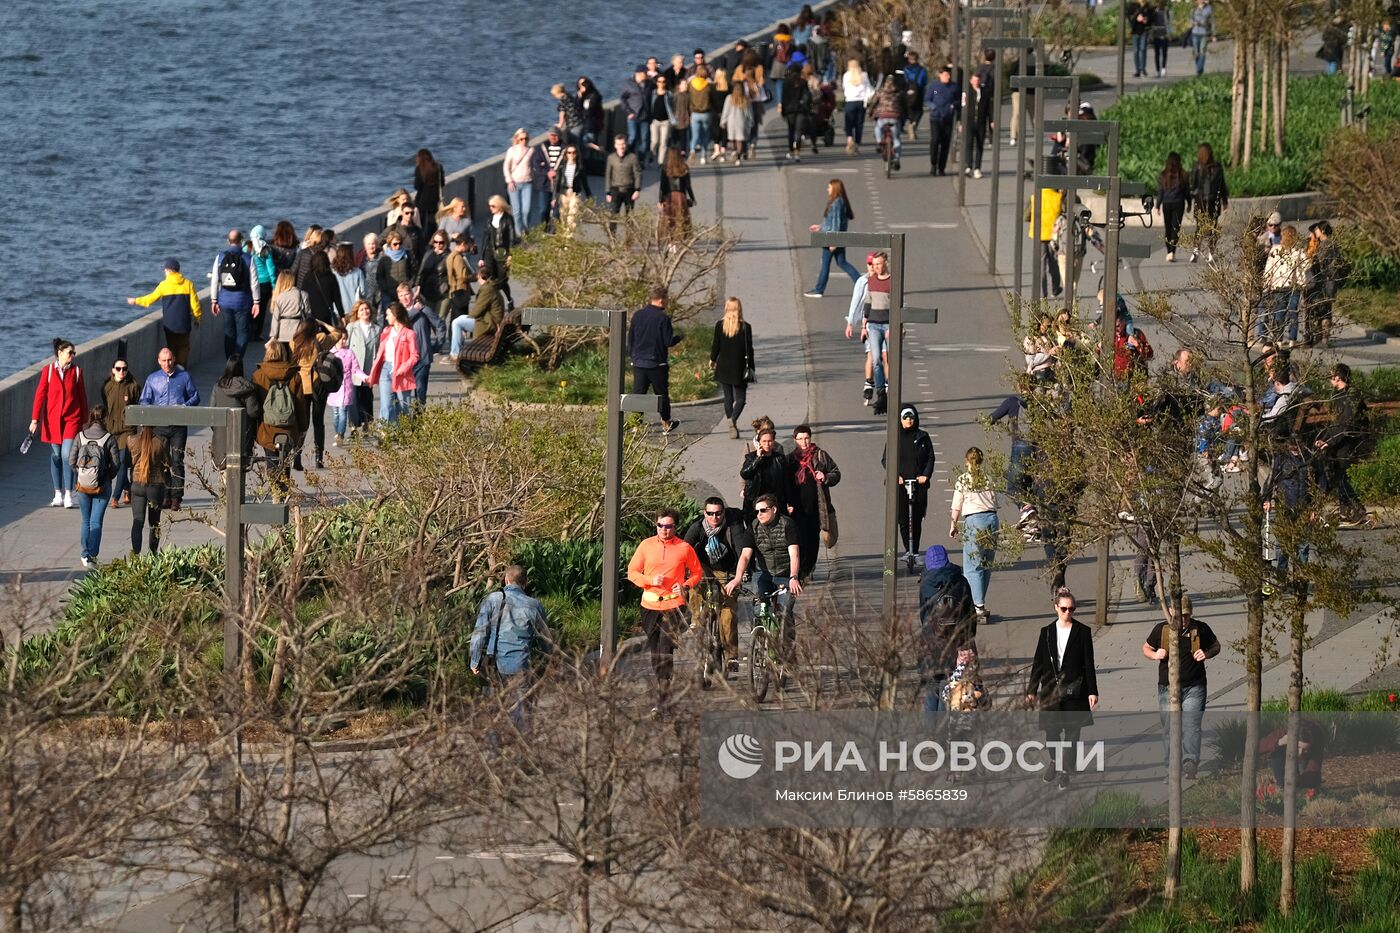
column 855, row 85
column 975, row 502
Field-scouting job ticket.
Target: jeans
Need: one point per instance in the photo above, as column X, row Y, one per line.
column 1198, row 45
column 893, row 124
column 521, row 200
column 828, row 256
column 637, row 137
column 1193, row 705
column 1276, row 309
column 341, row 416
column 979, row 551
column 660, row 139
column 91, row 509
column 466, row 324
column 764, row 585
column 855, row 120
column 238, row 330
column 123, row 478
column 700, row 131
column 657, row 378
column 543, row 208
column 175, row 438
column 877, row 339
column 1139, row 55
column 60, row 470
column 420, row 376
column 391, row 403
column 145, row 502
column 1333, row 67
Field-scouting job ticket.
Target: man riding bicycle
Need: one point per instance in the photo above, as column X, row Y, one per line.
column 725, row 549
column 775, row 540
column 888, row 107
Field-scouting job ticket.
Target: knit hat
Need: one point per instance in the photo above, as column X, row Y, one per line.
column 935, row 557
column 173, row 265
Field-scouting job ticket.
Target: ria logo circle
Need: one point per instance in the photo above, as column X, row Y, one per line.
column 740, row 756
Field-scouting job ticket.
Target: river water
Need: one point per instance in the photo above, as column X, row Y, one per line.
column 141, row 129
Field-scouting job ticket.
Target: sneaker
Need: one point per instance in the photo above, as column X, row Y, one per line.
column 983, row 616
column 731, row 667
column 977, row 173
column 1063, row 782
column 1352, row 522
column 896, row 165
column 1048, row 775
column 1195, row 255
column 868, row 392
column 1027, row 513
column 87, row 564
column 1210, row 257
column 320, row 460
column 1234, row 467
column 126, row 497
column 702, row 158
column 68, row 502
column 795, row 157
column 1171, row 257
column 1126, row 517
column 811, row 294
column 1013, row 141
column 1188, row 770
column 733, row 431
column 670, row 426
column 339, row 439
column 967, row 171
column 57, row 498
column 1244, row 455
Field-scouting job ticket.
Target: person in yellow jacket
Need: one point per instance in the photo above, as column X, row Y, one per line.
column 664, row 567
column 1052, row 203
column 179, row 310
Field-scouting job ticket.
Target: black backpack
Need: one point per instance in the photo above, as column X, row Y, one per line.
column 233, row 271
column 329, row 371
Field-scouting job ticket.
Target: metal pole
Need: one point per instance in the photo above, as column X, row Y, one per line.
column 612, row 485
column 235, row 535
column 962, row 152
column 1037, row 200
column 1071, row 168
column 1122, row 43
column 1019, row 251
column 1112, row 219
column 894, row 398
column 995, row 91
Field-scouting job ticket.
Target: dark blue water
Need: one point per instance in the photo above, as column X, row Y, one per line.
column 141, row 129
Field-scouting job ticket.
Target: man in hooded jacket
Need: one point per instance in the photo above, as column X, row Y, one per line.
column 915, row 463
column 946, row 619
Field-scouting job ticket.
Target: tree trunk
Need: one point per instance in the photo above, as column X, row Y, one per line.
column 1265, row 68
column 1290, row 761
column 1169, row 637
column 1281, row 120
column 1237, row 102
column 1251, row 66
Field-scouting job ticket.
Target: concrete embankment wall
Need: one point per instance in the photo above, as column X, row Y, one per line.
column 144, row 338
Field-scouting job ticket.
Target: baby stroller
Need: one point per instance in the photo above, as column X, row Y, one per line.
column 821, row 128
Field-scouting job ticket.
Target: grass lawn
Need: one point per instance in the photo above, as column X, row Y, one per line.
column 581, row 377
column 1376, row 308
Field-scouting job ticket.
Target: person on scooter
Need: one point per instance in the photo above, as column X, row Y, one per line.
column 915, row 465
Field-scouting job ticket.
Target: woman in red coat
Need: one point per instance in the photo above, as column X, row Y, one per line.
column 60, row 404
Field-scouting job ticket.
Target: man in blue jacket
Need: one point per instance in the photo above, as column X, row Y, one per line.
column 943, row 102
column 915, row 85
column 634, row 102
column 233, row 292
column 510, row 626
column 172, row 386
column 651, row 337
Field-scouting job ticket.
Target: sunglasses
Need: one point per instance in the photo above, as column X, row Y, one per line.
column 768, row 508
column 666, row 526
column 439, row 242
column 118, row 369
column 713, row 514
column 1064, row 608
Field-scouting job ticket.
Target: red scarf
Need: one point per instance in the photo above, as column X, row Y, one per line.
column 805, row 459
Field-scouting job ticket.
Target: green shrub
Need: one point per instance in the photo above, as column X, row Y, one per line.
column 1381, row 384
column 1179, row 117
column 1377, row 479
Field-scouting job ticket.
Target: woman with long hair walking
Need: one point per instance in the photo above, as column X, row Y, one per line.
column 60, row 404
column 835, row 219
column 975, row 503
column 731, row 358
column 1172, row 194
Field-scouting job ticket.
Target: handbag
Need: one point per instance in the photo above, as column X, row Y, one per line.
column 826, row 515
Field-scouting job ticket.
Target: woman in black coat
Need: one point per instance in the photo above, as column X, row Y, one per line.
column 1064, row 684
column 322, row 289
column 497, row 240
column 731, row 358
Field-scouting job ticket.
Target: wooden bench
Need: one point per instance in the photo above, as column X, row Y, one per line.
column 484, row 350
column 1318, row 413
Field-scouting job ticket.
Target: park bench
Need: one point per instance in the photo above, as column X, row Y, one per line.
column 488, row 349
column 1318, row 414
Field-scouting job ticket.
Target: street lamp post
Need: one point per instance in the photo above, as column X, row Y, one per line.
column 618, row 403
column 238, row 515
column 899, row 316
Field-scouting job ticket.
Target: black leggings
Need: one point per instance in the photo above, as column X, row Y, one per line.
column 735, row 396
column 146, row 499
column 318, row 420
column 1171, row 218
column 797, row 128
column 920, row 507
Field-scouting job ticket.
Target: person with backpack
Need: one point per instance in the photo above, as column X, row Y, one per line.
column 946, row 621
column 321, row 374
column 915, row 84
column 94, row 459
column 172, row 385
column 234, row 291
column 119, row 390
column 179, row 309
column 59, row 403
column 795, row 105
column 233, row 390
column 1346, row 438
column 290, row 309
column 280, row 391
column 150, row 471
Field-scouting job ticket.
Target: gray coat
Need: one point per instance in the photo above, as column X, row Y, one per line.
column 289, row 310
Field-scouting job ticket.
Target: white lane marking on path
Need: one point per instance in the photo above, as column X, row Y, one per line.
column 929, row 225
column 963, row 348
column 829, row 171
column 544, row 852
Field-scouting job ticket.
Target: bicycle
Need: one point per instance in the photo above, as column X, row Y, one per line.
column 887, row 149
column 768, row 645
column 711, row 645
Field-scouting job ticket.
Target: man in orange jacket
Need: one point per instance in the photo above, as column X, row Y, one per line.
column 664, row 567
